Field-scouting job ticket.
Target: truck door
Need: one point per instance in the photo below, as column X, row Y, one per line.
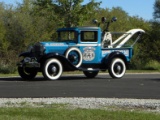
column 89, row 46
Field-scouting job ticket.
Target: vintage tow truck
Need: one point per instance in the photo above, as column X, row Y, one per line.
column 87, row 49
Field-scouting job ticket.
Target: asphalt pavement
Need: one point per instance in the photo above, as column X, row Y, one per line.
column 136, row 86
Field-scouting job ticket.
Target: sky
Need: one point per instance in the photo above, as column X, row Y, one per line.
column 141, row 8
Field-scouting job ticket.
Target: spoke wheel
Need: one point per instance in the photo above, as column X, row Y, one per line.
column 52, row 69
column 74, row 55
column 90, row 74
column 117, row 68
column 27, row 73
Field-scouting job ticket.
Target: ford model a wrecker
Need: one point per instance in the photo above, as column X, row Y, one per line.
column 88, row 49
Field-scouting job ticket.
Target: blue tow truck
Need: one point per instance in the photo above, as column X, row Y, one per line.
column 87, row 49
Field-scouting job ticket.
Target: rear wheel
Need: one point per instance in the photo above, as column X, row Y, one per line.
column 52, row 69
column 117, row 68
column 27, row 73
column 90, row 74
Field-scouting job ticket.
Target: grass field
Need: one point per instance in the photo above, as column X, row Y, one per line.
column 59, row 112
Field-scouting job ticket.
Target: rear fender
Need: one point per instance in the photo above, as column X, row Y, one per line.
column 108, row 59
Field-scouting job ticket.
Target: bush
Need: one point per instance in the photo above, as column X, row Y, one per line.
column 7, row 69
column 152, row 65
column 8, row 63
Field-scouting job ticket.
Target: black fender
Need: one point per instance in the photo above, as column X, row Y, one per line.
column 116, row 54
column 24, row 54
column 67, row 65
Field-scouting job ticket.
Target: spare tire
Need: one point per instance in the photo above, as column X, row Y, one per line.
column 74, row 55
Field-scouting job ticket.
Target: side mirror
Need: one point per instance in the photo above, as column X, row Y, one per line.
column 114, row 19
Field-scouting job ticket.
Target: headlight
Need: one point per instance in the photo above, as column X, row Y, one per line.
column 38, row 49
column 27, row 59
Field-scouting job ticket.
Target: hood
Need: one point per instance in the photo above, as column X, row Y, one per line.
column 56, row 47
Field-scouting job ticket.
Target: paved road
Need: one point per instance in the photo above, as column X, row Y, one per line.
column 146, row 86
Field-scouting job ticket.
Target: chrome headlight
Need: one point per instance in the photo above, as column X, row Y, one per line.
column 27, row 59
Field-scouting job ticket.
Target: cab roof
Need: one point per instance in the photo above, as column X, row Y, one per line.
column 80, row 28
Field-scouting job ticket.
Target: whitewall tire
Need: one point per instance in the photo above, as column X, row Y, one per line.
column 117, row 68
column 52, row 69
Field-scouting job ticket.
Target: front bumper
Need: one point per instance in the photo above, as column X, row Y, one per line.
column 29, row 62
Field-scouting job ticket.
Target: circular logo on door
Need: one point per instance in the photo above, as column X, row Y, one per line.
column 88, row 54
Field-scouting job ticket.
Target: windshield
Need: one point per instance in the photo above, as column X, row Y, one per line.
column 67, row 36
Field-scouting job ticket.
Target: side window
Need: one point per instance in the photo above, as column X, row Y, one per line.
column 89, row 36
column 67, row 35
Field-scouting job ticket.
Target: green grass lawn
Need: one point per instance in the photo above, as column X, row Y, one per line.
column 61, row 113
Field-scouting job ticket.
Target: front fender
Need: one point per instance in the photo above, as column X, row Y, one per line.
column 67, row 65
column 24, row 54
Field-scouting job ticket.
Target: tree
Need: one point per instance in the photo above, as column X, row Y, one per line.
column 4, row 44
column 148, row 49
column 68, row 13
column 154, row 34
column 156, row 13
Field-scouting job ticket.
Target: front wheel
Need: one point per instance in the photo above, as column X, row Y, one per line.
column 90, row 74
column 52, row 69
column 27, row 73
column 117, row 68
